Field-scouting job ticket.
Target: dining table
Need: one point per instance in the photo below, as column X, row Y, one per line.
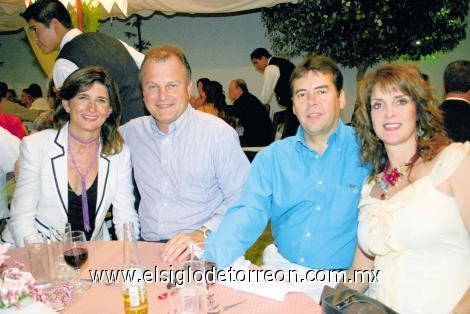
column 106, row 298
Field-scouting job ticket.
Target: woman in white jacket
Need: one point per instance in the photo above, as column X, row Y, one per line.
column 73, row 173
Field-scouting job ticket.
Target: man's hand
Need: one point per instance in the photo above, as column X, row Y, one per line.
column 177, row 249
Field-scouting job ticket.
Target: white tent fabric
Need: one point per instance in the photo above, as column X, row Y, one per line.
column 10, row 9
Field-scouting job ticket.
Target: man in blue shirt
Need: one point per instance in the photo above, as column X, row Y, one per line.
column 188, row 165
column 308, row 185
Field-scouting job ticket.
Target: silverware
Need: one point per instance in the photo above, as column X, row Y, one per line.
column 231, row 306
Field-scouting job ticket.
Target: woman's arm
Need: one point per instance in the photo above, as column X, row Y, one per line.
column 362, row 262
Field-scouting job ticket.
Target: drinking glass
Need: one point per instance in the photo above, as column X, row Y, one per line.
column 75, row 255
column 197, row 254
column 188, row 292
column 37, row 256
column 56, row 235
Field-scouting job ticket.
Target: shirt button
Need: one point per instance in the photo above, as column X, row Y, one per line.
column 165, row 183
column 320, row 182
column 318, row 208
column 308, row 234
column 339, row 149
column 316, row 156
column 302, row 259
column 165, row 204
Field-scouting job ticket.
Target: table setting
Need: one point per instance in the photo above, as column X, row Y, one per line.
column 105, row 295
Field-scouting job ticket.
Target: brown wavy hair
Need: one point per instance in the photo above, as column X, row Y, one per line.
column 81, row 80
column 408, row 79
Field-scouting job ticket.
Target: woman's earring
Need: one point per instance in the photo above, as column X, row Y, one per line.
column 420, row 131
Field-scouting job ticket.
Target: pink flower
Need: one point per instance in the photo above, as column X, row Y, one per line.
column 3, row 249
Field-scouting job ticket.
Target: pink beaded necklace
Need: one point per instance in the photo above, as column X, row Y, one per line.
column 86, row 218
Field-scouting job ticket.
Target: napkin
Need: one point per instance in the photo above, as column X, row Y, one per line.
column 276, row 290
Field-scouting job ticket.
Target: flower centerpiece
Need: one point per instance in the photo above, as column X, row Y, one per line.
column 15, row 284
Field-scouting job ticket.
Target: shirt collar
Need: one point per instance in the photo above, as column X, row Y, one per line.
column 176, row 126
column 458, row 98
column 71, row 34
column 335, row 138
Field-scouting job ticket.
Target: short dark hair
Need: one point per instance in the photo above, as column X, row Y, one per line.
column 215, row 94
column 457, row 76
column 240, row 83
column 81, row 80
column 44, row 11
column 258, row 53
column 34, row 90
column 319, row 63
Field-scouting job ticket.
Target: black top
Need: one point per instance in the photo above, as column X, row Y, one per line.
column 75, row 213
column 109, row 53
column 457, row 119
column 254, row 118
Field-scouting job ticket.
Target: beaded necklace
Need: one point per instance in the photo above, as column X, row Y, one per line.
column 386, row 179
column 86, row 219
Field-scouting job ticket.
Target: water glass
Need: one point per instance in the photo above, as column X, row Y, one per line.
column 210, row 269
column 37, row 257
column 186, row 300
column 63, row 272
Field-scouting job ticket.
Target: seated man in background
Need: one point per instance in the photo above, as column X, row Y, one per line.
column 252, row 115
column 25, row 114
column 188, row 165
column 39, row 103
column 456, row 107
column 308, row 185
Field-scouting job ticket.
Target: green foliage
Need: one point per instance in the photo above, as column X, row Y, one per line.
column 361, row 33
column 91, row 16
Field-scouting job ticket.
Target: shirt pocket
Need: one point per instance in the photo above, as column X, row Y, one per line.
column 344, row 208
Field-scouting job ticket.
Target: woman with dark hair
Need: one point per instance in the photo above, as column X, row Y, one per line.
column 75, row 172
column 199, row 101
column 414, row 220
column 215, row 99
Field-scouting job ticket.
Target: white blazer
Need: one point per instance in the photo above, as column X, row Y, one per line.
column 40, row 199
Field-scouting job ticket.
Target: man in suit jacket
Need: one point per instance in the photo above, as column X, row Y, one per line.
column 276, row 79
column 51, row 28
column 253, row 116
column 456, row 107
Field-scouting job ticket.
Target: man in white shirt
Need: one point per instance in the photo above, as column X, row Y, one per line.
column 276, row 80
column 51, row 28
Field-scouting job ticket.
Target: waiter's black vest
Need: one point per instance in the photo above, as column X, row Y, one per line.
column 109, row 53
column 282, row 88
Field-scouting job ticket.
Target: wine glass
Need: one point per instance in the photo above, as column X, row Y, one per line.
column 75, row 255
column 197, row 254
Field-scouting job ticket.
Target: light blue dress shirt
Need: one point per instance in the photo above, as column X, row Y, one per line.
column 188, row 177
column 311, row 199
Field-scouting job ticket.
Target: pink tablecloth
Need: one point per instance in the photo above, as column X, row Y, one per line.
column 105, row 299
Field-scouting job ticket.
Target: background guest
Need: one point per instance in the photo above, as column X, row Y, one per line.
column 456, row 107
column 25, row 114
column 414, row 221
column 199, row 101
column 252, row 115
column 76, row 171
column 39, row 103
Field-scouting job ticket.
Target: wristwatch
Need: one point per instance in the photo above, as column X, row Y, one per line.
column 205, row 231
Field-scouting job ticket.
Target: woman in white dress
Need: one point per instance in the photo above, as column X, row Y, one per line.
column 414, row 220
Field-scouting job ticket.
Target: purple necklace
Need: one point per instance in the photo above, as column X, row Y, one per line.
column 86, row 218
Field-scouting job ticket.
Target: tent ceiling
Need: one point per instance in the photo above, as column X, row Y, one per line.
column 10, row 9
